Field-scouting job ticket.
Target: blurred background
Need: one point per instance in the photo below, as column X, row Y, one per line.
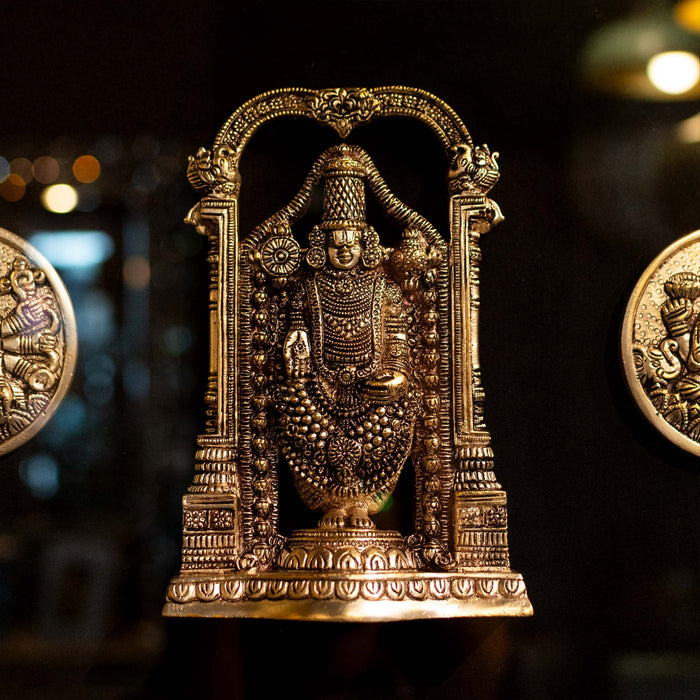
column 595, row 108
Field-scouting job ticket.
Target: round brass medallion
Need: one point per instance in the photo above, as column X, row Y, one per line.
column 661, row 343
column 39, row 341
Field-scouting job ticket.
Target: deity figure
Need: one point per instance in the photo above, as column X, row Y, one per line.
column 349, row 401
column 672, row 370
column 29, row 358
column 677, row 314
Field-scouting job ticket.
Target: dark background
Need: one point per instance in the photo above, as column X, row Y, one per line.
column 603, row 511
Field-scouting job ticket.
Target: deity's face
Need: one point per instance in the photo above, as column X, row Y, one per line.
column 344, row 248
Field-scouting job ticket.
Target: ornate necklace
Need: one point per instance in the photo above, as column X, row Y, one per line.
column 344, row 316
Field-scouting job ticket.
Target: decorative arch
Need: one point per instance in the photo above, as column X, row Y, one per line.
column 343, row 109
column 472, row 169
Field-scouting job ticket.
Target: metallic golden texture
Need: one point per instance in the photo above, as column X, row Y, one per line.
column 340, row 359
column 39, row 341
column 661, row 343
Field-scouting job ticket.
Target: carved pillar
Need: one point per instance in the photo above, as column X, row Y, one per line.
column 480, row 517
column 212, row 520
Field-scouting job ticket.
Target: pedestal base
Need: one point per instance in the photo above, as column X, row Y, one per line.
column 349, row 596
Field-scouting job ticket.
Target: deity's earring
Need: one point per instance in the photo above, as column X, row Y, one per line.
column 316, row 254
column 373, row 253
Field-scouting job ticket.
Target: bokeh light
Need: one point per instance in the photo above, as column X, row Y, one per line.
column 137, row 272
column 23, row 168
column 688, row 131
column 687, row 14
column 12, row 189
column 72, row 249
column 86, row 169
column 60, row 199
column 674, row 72
column 4, row 169
column 46, row 170
column 40, row 472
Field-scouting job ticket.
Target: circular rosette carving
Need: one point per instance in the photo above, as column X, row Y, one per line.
column 316, row 258
column 280, row 256
column 344, row 455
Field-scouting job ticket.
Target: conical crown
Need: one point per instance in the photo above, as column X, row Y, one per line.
column 344, row 191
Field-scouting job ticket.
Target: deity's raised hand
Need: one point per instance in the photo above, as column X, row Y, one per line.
column 297, row 354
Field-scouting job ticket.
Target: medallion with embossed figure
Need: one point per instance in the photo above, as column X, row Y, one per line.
column 661, row 343
column 38, row 341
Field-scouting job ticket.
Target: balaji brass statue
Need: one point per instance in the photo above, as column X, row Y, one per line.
column 350, row 400
column 341, row 359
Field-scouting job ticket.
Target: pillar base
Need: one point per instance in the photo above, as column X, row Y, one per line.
column 210, row 531
column 481, row 529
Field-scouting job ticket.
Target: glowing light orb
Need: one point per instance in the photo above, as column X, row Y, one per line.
column 59, row 199
column 674, row 72
column 12, row 188
column 86, row 169
column 687, row 15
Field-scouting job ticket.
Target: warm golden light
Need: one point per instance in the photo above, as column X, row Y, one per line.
column 23, row 168
column 687, row 15
column 59, row 199
column 674, row 72
column 46, row 170
column 86, row 169
column 12, row 189
column 688, row 131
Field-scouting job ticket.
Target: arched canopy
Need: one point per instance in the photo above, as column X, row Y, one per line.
column 343, row 109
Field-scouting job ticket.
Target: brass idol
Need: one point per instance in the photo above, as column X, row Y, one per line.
column 342, row 360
